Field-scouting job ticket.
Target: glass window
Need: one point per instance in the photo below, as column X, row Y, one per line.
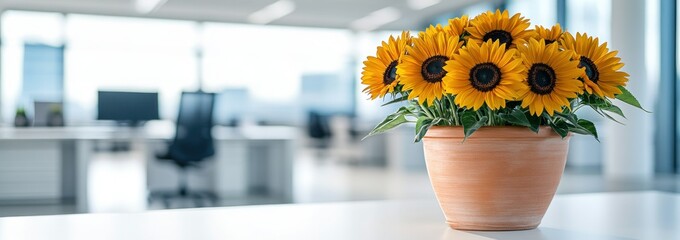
column 541, row 12
column 129, row 54
column 476, row 9
column 592, row 17
column 27, row 37
column 270, row 62
column 43, row 72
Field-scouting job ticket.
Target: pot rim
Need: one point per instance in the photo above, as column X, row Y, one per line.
column 495, row 132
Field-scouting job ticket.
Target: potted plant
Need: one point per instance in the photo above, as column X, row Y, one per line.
column 56, row 117
column 20, row 118
column 517, row 89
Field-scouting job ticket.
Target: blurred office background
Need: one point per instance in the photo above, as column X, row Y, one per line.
column 288, row 109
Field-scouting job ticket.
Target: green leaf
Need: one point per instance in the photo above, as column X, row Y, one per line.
column 404, row 110
column 424, row 127
column 535, row 122
column 518, row 117
column 590, row 126
column 422, row 131
column 423, row 120
column 610, row 117
column 628, row 97
column 560, row 128
column 570, row 117
column 613, row 109
column 390, row 122
column 604, row 114
column 578, row 129
column 396, row 100
column 584, row 127
column 470, row 123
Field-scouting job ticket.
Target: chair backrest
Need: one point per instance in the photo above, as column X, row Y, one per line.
column 318, row 126
column 193, row 140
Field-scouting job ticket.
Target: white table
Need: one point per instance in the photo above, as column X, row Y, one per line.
column 52, row 163
column 619, row 216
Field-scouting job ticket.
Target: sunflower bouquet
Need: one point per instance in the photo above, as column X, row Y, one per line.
column 494, row 71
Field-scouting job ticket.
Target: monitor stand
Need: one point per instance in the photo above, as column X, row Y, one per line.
column 125, row 146
column 131, row 124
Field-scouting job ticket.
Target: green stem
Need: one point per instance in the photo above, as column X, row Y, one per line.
column 438, row 108
column 446, row 112
column 425, row 110
column 490, row 116
column 454, row 110
column 577, row 108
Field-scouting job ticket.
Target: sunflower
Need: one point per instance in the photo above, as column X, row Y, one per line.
column 552, row 77
column 602, row 75
column 489, row 74
column 380, row 73
column 549, row 35
column 422, row 69
column 456, row 27
column 431, row 30
column 511, row 31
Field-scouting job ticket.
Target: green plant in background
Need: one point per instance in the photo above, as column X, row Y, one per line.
column 55, row 109
column 21, row 111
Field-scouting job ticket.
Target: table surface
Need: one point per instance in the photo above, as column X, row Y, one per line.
column 159, row 131
column 625, row 215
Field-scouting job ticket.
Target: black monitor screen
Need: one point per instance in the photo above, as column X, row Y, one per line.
column 127, row 106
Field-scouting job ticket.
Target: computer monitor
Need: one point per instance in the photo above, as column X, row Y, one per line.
column 127, row 107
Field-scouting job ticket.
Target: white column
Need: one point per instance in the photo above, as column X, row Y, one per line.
column 83, row 154
column 628, row 149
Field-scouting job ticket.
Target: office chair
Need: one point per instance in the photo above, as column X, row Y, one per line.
column 318, row 129
column 193, row 143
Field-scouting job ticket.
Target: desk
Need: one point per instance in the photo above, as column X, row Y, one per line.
column 618, row 216
column 52, row 163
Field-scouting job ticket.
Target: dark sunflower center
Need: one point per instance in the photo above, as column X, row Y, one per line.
column 390, row 73
column 591, row 68
column 433, row 68
column 485, row 76
column 500, row 35
column 542, row 79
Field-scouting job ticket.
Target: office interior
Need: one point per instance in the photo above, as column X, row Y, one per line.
column 96, row 95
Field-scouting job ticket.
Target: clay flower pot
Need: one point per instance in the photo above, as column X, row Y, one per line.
column 500, row 178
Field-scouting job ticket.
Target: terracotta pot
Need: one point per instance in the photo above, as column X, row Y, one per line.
column 500, row 178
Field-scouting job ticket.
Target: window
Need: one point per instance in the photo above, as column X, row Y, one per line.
column 28, row 38
column 270, row 63
column 476, row 9
column 129, row 54
column 540, row 12
column 43, row 72
column 592, row 17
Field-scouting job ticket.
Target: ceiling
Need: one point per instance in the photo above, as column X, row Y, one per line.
column 312, row 13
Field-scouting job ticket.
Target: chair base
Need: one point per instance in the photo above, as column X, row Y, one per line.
column 198, row 197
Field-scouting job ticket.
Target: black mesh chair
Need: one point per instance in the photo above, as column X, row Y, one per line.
column 318, row 129
column 193, row 143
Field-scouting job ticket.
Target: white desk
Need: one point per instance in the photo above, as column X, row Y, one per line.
column 616, row 216
column 39, row 163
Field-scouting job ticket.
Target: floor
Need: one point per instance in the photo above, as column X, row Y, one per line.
column 118, row 184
